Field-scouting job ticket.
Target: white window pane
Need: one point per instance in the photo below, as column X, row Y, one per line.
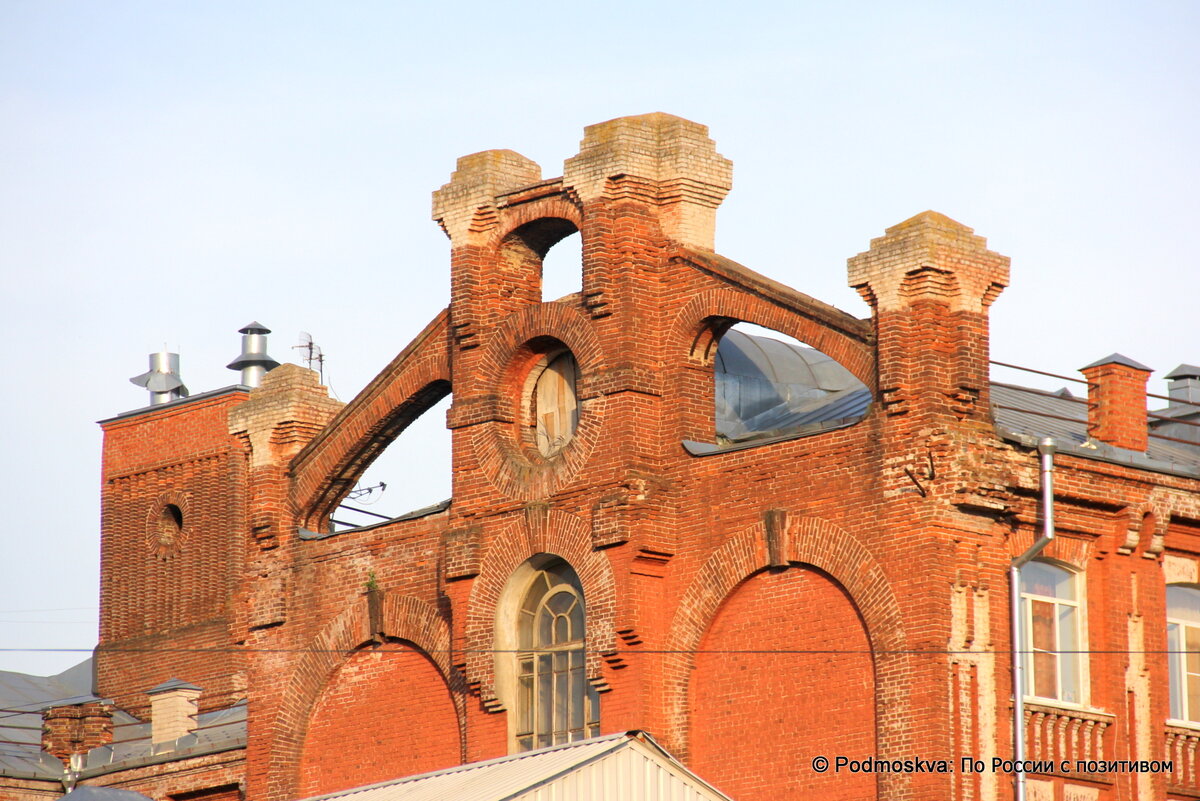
column 1183, row 603
column 1175, row 663
column 1039, row 578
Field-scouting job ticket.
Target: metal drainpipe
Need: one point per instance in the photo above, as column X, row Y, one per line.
column 1046, row 450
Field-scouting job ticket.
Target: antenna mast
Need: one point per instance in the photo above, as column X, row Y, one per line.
column 311, row 353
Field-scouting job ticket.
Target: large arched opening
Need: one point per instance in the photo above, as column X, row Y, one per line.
column 784, row 669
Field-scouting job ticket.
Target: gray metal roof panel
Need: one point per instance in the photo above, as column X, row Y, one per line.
column 1035, row 413
column 89, row 793
column 171, row 684
column 25, row 763
column 1184, row 371
column 779, row 362
column 22, row 699
column 1117, row 358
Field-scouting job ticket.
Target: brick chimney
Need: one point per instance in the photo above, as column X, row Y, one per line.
column 1117, row 401
column 76, row 729
column 172, row 710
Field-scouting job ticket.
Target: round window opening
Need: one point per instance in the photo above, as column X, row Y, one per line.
column 554, row 408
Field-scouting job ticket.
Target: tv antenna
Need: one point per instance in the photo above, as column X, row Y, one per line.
column 311, row 353
column 366, row 494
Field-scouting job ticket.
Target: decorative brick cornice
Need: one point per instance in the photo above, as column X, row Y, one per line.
column 929, row 256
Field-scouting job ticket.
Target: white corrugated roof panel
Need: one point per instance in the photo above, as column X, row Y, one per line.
column 628, row 766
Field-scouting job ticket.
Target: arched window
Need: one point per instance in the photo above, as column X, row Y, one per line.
column 554, row 407
column 1183, row 646
column 1050, row 605
column 555, row 703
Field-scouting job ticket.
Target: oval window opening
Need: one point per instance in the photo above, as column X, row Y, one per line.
column 555, row 408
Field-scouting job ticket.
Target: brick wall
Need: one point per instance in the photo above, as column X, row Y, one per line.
column 404, row 721
column 889, row 539
column 767, row 715
column 171, row 554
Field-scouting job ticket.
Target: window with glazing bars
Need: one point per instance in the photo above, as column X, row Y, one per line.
column 1052, row 649
column 555, row 702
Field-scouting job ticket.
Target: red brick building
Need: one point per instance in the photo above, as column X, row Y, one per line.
column 758, row 554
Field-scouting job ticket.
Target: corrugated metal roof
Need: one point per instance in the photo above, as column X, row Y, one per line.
column 629, row 766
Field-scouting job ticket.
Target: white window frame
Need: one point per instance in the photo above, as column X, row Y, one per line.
column 1069, row 662
column 1177, row 658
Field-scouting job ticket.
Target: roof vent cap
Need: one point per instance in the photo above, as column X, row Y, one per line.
column 162, row 379
column 1183, row 385
column 253, row 361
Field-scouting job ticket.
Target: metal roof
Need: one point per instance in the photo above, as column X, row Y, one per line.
column 219, row 730
column 171, row 684
column 629, row 766
column 22, row 699
column 1118, row 358
column 1036, row 413
column 89, row 793
column 1184, row 371
column 766, row 388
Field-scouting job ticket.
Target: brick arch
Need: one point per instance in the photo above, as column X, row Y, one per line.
column 404, row 618
column 695, row 322
column 539, row 531
column 833, row 551
column 556, row 206
column 328, row 467
column 505, row 462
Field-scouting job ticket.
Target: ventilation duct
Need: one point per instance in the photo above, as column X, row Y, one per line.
column 253, row 361
column 162, row 379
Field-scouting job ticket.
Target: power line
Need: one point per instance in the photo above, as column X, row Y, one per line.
column 617, row 652
column 59, row 609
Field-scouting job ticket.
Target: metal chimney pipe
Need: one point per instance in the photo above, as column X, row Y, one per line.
column 253, row 361
column 162, row 379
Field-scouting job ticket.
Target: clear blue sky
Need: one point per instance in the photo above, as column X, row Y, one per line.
column 171, row 171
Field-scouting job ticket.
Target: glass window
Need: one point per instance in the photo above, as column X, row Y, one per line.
column 1183, row 647
column 555, row 704
column 1052, row 645
column 555, row 408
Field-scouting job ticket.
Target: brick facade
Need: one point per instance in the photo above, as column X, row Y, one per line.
column 842, row 592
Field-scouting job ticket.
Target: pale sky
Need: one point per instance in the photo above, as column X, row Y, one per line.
column 171, row 171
